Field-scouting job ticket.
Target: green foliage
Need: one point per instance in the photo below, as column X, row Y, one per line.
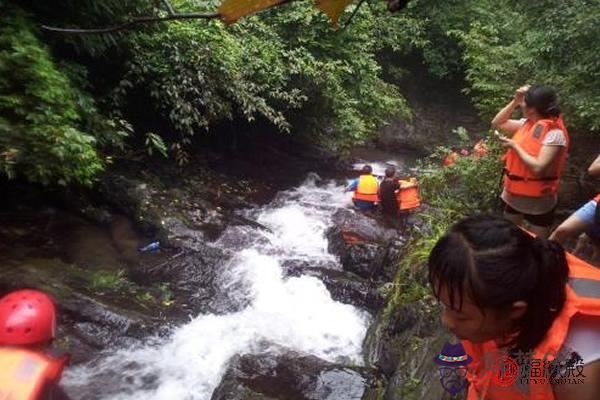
column 499, row 45
column 109, row 280
column 291, row 69
column 113, row 281
column 286, row 68
column 40, row 117
column 507, row 44
column 470, row 185
column 155, row 143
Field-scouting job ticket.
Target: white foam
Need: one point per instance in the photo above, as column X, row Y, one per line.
column 297, row 313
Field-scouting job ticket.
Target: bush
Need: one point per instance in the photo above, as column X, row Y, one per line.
column 470, row 185
column 40, row 119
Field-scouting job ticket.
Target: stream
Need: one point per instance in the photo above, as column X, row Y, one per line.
column 270, row 309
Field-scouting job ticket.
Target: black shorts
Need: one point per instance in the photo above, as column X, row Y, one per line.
column 543, row 220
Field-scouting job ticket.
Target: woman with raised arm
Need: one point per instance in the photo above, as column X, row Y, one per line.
column 535, row 157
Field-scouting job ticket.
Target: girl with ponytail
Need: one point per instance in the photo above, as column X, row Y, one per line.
column 503, row 289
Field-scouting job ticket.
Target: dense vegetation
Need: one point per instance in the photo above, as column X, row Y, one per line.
column 68, row 103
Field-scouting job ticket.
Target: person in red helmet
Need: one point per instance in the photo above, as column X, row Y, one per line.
column 27, row 329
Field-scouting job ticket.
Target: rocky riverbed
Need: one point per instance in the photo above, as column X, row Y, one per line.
column 255, row 292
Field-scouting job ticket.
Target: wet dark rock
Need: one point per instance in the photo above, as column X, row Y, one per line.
column 438, row 107
column 403, row 349
column 346, row 287
column 192, row 277
column 132, row 197
column 364, row 226
column 90, row 325
column 364, row 246
column 292, row 376
column 97, row 215
column 236, row 238
column 175, row 233
column 175, row 222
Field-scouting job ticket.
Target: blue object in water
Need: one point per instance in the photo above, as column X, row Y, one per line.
column 154, row 246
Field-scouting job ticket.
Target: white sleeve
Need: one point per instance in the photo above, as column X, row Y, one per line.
column 584, row 337
column 555, row 137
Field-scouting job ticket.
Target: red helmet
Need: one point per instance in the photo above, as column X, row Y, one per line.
column 26, row 317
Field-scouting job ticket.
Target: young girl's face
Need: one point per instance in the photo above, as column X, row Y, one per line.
column 471, row 323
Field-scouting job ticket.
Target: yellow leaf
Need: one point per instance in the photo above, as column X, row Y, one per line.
column 333, row 8
column 232, row 10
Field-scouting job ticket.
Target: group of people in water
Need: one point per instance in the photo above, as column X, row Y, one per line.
column 393, row 195
column 505, row 283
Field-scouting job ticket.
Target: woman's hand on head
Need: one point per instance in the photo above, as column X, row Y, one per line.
column 520, row 94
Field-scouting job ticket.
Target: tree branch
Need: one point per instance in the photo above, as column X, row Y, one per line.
column 353, row 14
column 173, row 15
column 170, row 7
column 134, row 21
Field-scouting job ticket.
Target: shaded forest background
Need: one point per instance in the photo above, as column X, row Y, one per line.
column 72, row 104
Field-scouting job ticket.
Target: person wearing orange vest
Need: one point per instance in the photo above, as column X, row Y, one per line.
column 450, row 159
column 527, row 312
column 585, row 221
column 365, row 188
column 534, row 159
column 480, row 149
column 27, row 329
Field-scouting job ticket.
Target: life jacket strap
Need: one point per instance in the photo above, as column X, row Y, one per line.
column 513, row 177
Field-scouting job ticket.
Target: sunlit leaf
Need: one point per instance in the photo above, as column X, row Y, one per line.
column 333, row 8
column 232, row 10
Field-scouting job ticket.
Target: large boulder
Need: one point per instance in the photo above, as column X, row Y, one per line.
column 292, row 376
column 88, row 325
column 404, row 339
column 178, row 218
column 364, row 246
column 345, row 287
column 192, row 277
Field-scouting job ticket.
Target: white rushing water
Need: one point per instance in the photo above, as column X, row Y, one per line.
column 295, row 312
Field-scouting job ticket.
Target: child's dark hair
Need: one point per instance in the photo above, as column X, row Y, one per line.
column 390, row 172
column 367, row 169
column 497, row 264
column 543, row 100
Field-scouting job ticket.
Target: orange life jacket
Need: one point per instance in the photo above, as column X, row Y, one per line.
column 583, row 296
column 24, row 373
column 450, row 159
column 367, row 189
column 480, row 149
column 408, row 196
column 519, row 179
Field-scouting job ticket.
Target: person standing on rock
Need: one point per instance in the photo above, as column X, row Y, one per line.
column 535, row 157
column 387, row 194
column 527, row 312
column 27, row 328
column 585, row 221
column 365, row 189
